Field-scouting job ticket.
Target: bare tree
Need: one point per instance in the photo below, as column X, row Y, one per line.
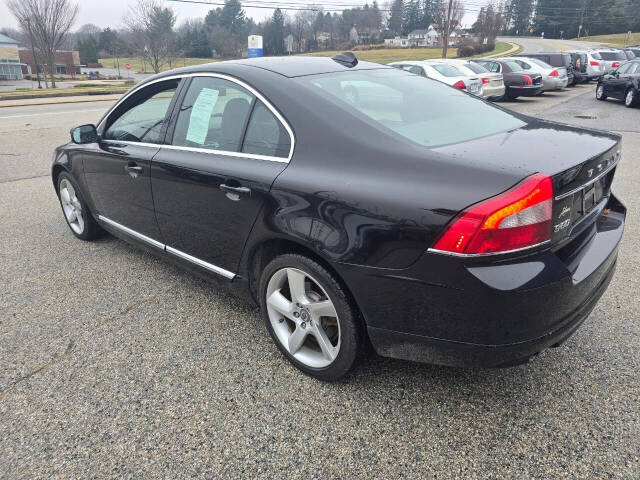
column 152, row 27
column 47, row 22
column 447, row 17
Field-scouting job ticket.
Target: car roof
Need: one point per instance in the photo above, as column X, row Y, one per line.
column 290, row 66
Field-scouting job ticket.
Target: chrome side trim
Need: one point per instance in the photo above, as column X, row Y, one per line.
column 593, row 180
column 127, row 142
column 201, row 263
column 162, row 246
column 133, row 233
column 244, row 85
column 226, row 154
column 480, row 255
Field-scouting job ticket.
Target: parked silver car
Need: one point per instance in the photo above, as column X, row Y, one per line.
column 612, row 58
column 493, row 87
column 444, row 73
column 553, row 78
column 595, row 65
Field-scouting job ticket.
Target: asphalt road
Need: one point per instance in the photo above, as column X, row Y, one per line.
column 537, row 44
column 116, row 364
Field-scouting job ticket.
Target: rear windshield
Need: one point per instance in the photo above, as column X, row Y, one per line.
column 447, row 70
column 612, row 56
column 419, row 109
column 540, row 63
column 513, row 65
column 475, row 68
column 596, row 55
column 630, row 54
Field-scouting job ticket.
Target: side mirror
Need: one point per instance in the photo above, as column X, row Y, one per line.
column 84, row 134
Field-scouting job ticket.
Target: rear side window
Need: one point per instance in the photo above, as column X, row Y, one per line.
column 613, row 56
column 491, row 66
column 636, row 52
column 447, row 70
column 475, row 68
column 513, row 66
column 213, row 115
column 265, row 134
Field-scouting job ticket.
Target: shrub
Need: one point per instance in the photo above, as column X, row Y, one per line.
column 466, row 51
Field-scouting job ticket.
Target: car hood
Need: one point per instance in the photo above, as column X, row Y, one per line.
column 539, row 146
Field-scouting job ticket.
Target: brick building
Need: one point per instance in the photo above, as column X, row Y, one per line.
column 9, row 59
column 67, row 62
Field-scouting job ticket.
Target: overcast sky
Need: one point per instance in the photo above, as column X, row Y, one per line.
column 109, row 13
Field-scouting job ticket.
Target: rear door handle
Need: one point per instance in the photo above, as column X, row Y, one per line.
column 238, row 190
column 133, row 169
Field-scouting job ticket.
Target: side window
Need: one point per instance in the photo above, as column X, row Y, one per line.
column 213, row 115
column 265, row 134
column 142, row 122
column 624, row 69
column 415, row 70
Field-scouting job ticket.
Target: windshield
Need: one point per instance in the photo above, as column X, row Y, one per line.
column 419, row 109
column 447, row 70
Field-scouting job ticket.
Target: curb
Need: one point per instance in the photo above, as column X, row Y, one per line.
column 515, row 48
column 58, row 100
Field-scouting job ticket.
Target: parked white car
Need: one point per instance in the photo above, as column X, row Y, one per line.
column 553, row 78
column 444, row 73
column 595, row 65
column 611, row 58
column 493, row 87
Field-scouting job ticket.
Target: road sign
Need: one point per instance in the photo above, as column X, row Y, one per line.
column 254, row 43
column 127, row 66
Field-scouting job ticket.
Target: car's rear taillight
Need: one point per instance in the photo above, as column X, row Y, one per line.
column 460, row 84
column 554, row 73
column 485, row 81
column 615, row 64
column 516, row 219
column 594, row 63
column 527, row 80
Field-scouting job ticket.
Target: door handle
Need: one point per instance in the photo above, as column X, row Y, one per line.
column 238, row 190
column 133, row 169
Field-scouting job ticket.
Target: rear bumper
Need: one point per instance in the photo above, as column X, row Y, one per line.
column 493, row 92
column 480, row 312
column 553, row 83
column 525, row 91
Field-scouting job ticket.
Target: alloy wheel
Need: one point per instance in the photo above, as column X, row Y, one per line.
column 599, row 92
column 71, row 206
column 630, row 98
column 303, row 317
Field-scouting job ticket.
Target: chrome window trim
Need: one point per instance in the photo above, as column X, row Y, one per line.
column 185, row 256
column 593, row 180
column 128, row 142
column 492, row 254
column 133, row 233
column 201, row 263
column 229, row 78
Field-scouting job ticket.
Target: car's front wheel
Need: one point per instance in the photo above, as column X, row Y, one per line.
column 310, row 317
column 75, row 209
column 600, row 93
column 630, row 99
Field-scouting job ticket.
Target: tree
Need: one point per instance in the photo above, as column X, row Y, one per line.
column 88, row 50
column 488, row 24
column 46, row 22
column 395, row 17
column 518, row 16
column 413, row 16
column 274, row 34
column 152, row 25
column 555, row 16
column 447, row 17
column 107, row 39
column 193, row 40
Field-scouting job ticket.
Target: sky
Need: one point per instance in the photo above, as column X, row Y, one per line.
column 109, row 13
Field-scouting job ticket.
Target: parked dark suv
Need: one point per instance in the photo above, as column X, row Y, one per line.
column 556, row 59
column 579, row 61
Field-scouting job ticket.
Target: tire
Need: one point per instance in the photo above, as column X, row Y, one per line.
column 630, row 98
column 600, row 93
column 295, row 323
column 83, row 225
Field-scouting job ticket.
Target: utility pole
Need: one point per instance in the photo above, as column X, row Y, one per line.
column 581, row 19
column 33, row 52
column 447, row 29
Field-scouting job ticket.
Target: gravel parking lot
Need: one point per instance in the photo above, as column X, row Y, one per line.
column 114, row 363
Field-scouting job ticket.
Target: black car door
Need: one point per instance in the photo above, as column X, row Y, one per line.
column 117, row 167
column 225, row 148
column 618, row 81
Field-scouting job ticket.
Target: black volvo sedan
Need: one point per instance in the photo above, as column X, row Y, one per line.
column 623, row 84
column 408, row 215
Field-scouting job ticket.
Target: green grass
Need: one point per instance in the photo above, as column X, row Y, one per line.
column 615, row 40
column 136, row 64
column 388, row 55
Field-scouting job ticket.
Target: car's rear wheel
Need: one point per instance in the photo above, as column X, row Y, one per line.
column 600, row 93
column 310, row 317
column 630, row 99
column 75, row 209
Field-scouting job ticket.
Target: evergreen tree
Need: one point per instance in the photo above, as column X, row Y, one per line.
column 395, row 17
column 274, row 34
column 558, row 18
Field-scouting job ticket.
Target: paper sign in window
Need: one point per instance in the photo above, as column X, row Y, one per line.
column 201, row 115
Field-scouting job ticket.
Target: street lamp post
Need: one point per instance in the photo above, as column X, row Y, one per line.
column 33, row 52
